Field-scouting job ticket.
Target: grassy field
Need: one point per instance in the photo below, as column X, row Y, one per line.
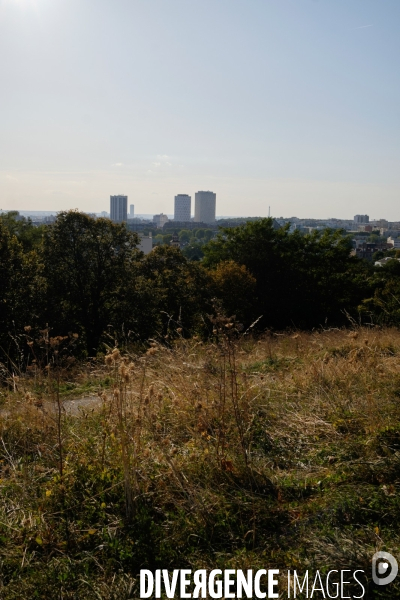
column 276, row 452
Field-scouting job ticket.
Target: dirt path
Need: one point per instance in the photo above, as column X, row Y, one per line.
column 76, row 405
column 73, row 406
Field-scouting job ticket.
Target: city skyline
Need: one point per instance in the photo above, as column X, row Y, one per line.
column 357, row 220
column 283, row 104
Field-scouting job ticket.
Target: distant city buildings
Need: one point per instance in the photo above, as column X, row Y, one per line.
column 384, row 261
column 367, row 236
column 367, row 250
column 160, row 220
column 50, row 219
column 394, row 242
column 119, row 208
column 145, row 243
column 358, row 219
column 382, row 223
column 204, row 207
column 175, row 243
column 176, row 225
column 182, row 208
column 139, row 225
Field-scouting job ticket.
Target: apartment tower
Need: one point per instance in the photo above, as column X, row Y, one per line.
column 204, row 207
column 118, row 208
column 182, row 207
column 361, row 219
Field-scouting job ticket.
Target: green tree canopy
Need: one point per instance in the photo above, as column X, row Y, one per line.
column 375, row 238
column 384, row 304
column 302, row 280
column 179, row 290
column 19, row 292
column 184, row 235
column 236, row 288
column 89, row 267
column 167, row 238
column 193, row 251
column 27, row 234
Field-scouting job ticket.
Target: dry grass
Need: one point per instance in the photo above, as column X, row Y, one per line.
column 281, row 451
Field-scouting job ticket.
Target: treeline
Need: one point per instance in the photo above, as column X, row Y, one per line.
column 192, row 241
column 86, row 278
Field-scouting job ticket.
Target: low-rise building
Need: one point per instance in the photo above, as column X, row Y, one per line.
column 384, row 261
column 146, row 243
column 160, row 220
column 366, row 250
column 394, row 233
column 138, row 225
column 177, row 225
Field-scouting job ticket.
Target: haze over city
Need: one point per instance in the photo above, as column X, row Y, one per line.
column 279, row 103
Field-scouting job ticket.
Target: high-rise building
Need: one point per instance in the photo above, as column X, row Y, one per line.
column 204, row 207
column 119, row 208
column 182, row 207
column 361, row 219
column 131, row 211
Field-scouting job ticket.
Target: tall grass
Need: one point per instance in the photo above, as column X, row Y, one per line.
column 280, row 451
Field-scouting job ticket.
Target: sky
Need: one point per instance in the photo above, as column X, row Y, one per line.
column 292, row 104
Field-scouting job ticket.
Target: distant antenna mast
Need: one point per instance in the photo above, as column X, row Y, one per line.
column 269, row 211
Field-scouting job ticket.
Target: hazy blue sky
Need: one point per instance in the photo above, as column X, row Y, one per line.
column 288, row 103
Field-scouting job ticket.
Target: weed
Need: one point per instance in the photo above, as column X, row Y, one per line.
column 239, row 452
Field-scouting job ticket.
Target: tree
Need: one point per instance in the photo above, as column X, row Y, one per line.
column 378, row 255
column 236, row 288
column 19, row 292
column 384, row 304
column 179, row 290
column 193, row 251
column 184, row 235
column 27, row 234
column 302, row 280
column 375, row 238
column 90, row 268
column 167, row 238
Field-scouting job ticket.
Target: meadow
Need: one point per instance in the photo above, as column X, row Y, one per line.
column 244, row 451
